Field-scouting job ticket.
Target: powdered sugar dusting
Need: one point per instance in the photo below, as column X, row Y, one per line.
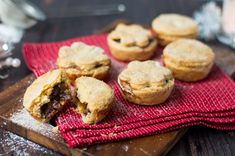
column 16, row 145
column 23, row 118
column 125, row 147
column 144, row 151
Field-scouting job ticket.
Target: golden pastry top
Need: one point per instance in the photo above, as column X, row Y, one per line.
column 81, row 55
column 131, row 35
column 38, row 92
column 174, row 24
column 145, row 74
column 95, row 93
column 189, row 52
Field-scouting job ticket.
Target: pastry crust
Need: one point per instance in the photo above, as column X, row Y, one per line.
column 131, row 42
column 83, row 60
column 170, row 27
column 94, row 99
column 146, row 83
column 166, row 39
column 174, row 24
column 40, row 92
column 189, row 60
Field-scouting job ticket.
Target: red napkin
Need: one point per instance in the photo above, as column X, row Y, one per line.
column 210, row 102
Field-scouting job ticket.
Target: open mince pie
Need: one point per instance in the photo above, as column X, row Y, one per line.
column 80, row 59
column 94, row 99
column 47, row 95
column 146, row 83
column 131, row 42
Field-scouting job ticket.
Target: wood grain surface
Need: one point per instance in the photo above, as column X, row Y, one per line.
column 197, row 141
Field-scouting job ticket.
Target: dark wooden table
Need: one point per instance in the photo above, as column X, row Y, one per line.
column 197, row 141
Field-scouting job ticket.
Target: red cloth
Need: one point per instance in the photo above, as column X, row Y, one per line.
column 210, row 102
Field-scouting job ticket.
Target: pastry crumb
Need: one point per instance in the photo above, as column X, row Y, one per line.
column 55, row 129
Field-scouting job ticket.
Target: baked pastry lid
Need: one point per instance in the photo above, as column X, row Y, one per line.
column 43, row 83
column 81, row 55
column 144, row 74
column 96, row 94
column 189, row 52
column 133, row 35
column 174, row 24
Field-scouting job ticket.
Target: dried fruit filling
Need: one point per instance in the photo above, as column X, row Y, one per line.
column 58, row 95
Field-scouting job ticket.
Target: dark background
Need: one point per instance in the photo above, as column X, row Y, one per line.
column 197, row 141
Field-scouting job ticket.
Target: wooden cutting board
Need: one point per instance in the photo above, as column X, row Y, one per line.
column 14, row 118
